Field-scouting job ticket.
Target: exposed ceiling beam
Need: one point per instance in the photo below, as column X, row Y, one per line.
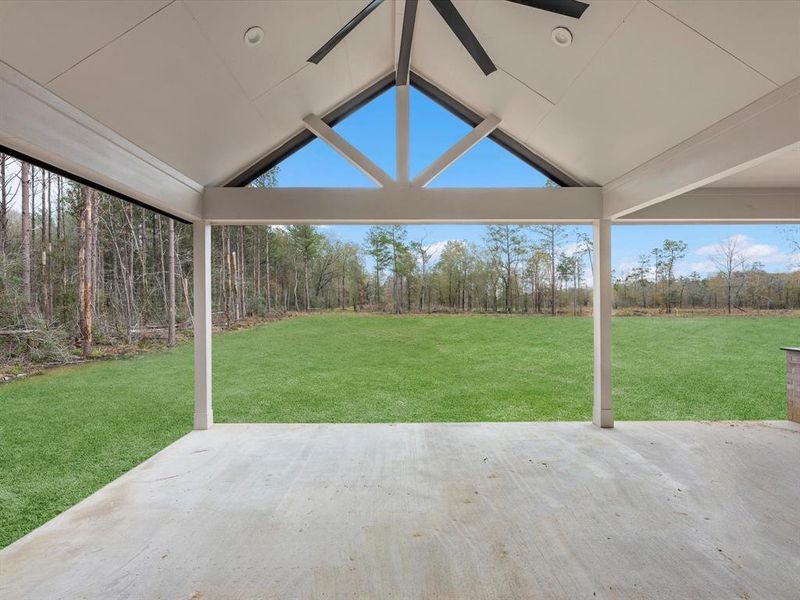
column 406, row 37
column 37, row 124
column 357, row 158
column 759, row 131
column 456, row 151
column 724, row 205
column 401, row 205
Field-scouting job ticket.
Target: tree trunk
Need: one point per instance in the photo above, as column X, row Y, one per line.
column 171, row 281
column 3, row 205
column 266, row 249
column 730, row 286
column 552, row 280
column 25, row 181
column 48, row 275
column 85, row 269
column 235, row 268
column 305, row 276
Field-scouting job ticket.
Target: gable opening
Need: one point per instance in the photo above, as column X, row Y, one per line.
column 367, row 122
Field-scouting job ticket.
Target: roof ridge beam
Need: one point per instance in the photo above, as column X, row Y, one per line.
column 358, row 159
column 457, row 150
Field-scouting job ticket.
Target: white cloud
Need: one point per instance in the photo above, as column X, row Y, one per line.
column 625, row 267
column 435, row 250
column 704, row 267
column 766, row 254
column 570, row 248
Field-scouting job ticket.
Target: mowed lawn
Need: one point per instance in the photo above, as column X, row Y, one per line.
column 66, row 433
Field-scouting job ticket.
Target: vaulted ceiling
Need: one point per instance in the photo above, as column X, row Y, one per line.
column 175, row 78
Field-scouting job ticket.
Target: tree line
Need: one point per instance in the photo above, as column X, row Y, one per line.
column 739, row 284
column 80, row 268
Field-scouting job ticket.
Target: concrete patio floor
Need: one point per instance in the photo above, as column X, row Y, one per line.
column 501, row 510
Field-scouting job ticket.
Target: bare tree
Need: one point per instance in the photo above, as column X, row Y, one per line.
column 171, row 281
column 3, row 205
column 793, row 236
column 424, row 255
column 86, row 269
column 507, row 243
column 551, row 238
column 25, row 180
column 730, row 260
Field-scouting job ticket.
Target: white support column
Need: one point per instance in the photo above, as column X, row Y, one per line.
column 203, row 414
column 603, row 411
column 402, row 125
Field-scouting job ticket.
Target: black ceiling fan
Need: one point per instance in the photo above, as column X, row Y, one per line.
column 454, row 20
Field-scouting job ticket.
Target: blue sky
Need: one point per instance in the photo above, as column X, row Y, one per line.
column 433, row 130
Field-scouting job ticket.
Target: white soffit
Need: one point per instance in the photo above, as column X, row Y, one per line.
column 162, row 87
column 365, row 55
column 176, row 79
column 293, row 31
column 781, row 171
column 369, row 48
column 763, row 34
column 655, row 83
column 440, row 58
column 42, row 39
column 533, row 58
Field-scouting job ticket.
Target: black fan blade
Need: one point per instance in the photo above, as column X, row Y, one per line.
column 568, row 8
column 331, row 43
column 464, row 34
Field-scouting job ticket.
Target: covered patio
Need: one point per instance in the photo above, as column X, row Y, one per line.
column 643, row 112
column 489, row 510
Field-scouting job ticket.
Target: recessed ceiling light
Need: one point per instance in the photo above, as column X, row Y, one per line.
column 253, row 36
column 562, row 36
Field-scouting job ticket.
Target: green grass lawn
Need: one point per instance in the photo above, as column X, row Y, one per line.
column 66, row 433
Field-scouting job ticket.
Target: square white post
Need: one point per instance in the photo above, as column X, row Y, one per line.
column 603, row 410
column 203, row 414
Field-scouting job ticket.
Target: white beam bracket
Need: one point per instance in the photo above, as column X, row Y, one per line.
column 456, row 151
column 320, row 129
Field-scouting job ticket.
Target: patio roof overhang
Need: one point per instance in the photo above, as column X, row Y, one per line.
column 159, row 100
column 660, row 111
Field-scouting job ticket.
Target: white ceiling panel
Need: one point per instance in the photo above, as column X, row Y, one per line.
column 162, row 87
column 45, row 38
column 782, row 170
column 439, row 57
column 177, row 80
column 518, row 39
column 763, row 34
column 369, row 48
column 316, row 89
column 313, row 90
column 652, row 85
column 290, row 36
